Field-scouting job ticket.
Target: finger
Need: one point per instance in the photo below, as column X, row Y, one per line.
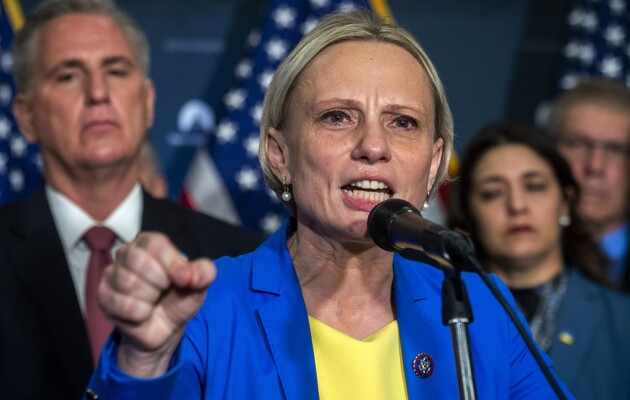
column 160, row 247
column 139, row 261
column 121, row 306
column 204, row 272
column 126, row 281
column 196, row 275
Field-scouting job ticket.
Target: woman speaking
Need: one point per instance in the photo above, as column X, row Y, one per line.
column 355, row 115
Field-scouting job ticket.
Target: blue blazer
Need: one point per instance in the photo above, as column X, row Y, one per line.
column 591, row 345
column 251, row 339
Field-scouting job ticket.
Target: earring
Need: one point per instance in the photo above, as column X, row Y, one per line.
column 564, row 220
column 286, row 192
column 426, row 204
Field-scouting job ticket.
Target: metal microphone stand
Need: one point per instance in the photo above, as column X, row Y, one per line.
column 460, row 251
column 457, row 313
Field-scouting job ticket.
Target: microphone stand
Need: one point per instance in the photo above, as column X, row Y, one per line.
column 461, row 252
column 406, row 230
column 457, row 313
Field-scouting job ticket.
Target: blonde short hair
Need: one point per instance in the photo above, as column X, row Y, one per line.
column 359, row 25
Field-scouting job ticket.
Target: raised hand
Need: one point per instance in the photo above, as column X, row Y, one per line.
column 150, row 292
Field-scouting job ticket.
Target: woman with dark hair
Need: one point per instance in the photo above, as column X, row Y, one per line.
column 516, row 197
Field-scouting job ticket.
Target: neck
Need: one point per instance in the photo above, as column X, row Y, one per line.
column 348, row 287
column 98, row 196
column 526, row 273
column 599, row 230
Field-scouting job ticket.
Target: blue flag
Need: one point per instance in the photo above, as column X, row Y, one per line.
column 231, row 155
column 20, row 171
column 598, row 43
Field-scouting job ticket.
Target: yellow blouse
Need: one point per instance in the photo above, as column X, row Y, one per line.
column 366, row 369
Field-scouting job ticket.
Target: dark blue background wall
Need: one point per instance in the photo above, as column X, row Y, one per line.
column 498, row 58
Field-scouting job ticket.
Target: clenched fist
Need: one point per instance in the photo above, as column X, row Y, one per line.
column 150, row 292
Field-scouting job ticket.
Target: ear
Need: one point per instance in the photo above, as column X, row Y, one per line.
column 277, row 153
column 150, row 102
column 159, row 187
column 23, row 113
column 436, row 159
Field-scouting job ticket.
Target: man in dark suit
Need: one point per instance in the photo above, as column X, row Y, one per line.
column 591, row 125
column 85, row 97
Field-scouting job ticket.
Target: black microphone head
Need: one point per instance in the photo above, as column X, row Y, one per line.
column 380, row 219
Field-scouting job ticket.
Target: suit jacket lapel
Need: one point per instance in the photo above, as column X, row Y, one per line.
column 40, row 264
column 156, row 218
column 580, row 300
column 285, row 322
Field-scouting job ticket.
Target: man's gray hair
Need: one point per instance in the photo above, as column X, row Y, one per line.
column 25, row 42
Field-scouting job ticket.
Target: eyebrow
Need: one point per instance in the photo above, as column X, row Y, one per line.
column 499, row 179
column 340, row 102
column 337, row 102
column 582, row 136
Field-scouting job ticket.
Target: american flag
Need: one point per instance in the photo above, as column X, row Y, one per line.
column 599, row 42
column 20, row 172
column 225, row 178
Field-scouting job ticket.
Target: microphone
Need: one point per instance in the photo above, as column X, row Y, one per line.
column 396, row 225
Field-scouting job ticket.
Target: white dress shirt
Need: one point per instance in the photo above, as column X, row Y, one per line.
column 72, row 223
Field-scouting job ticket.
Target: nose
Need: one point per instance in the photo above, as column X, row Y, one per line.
column 97, row 91
column 595, row 161
column 516, row 202
column 372, row 144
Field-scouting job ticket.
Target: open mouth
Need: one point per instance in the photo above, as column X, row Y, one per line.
column 368, row 190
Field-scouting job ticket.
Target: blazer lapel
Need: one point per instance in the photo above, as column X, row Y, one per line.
column 580, row 300
column 417, row 335
column 285, row 322
column 39, row 262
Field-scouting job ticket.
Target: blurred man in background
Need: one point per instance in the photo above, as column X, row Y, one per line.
column 591, row 124
column 81, row 69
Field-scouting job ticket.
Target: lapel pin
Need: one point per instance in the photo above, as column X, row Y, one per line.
column 566, row 337
column 423, row 365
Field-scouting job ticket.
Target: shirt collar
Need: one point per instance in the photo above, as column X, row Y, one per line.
column 72, row 222
column 614, row 243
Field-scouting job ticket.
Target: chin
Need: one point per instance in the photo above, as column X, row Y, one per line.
column 105, row 160
column 359, row 229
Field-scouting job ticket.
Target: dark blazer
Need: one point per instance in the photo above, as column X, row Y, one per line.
column 625, row 284
column 594, row 358
column 44, row 351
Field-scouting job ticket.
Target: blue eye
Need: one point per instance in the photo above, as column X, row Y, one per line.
column 406, row 122
column 336, row 117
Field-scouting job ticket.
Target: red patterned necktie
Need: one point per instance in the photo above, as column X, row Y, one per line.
column 99, row 239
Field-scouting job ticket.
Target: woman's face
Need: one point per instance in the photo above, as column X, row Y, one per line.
column 515, row 203
column 360, row 131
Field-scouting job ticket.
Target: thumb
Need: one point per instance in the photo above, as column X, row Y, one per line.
column 195, row 275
